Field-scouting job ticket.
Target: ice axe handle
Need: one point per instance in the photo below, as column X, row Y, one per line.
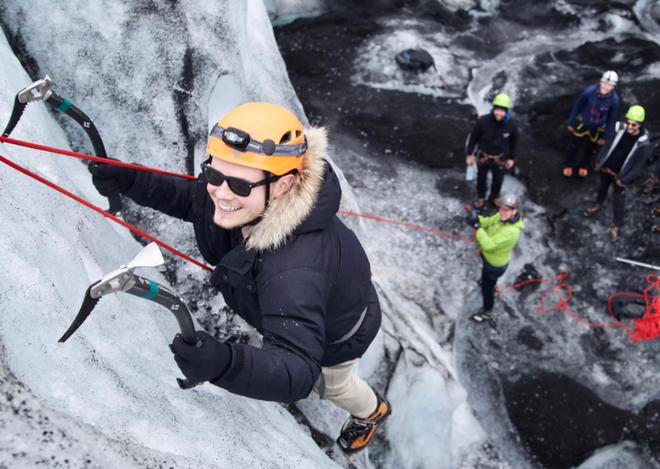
column 186, row 383
column 150, row 290
column 64, row 105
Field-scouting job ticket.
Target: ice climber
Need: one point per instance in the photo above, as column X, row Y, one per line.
column 264, row 213
column 592, row 121
column 497, row 235
column 620, row 161
column 493, row 142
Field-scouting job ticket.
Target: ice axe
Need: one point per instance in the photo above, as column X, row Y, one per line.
column 123, row 279
column 40, row 90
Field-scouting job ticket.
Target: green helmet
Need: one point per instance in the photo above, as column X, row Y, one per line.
column 636, row 113
column 502, row 100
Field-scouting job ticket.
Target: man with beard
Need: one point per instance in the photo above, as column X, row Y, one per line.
column 264, row 211
column 493, row 142
column 592, row 120
column 621, row 161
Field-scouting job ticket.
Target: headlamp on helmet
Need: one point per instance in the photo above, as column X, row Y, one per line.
column 262, row 136
column 236, row 138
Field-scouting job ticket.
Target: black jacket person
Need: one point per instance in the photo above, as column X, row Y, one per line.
column 620, row 161
column 264, row 214
column 495, row 139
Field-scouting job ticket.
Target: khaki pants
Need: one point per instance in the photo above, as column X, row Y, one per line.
column 341, row 387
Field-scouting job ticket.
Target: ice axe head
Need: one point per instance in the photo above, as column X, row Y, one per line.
column 118, row 280
column 150, row 256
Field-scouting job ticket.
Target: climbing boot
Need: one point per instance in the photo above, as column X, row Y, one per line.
column 494, row 202
column 650, row 185
column 595, row 209
column 614, row 233
column 483, row 316
column 583, row 173
column 655, row 228
column 656, row 211
column 568, row 172
column 356, row 434
column 479, row 203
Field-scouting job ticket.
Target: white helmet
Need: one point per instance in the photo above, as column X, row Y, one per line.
column 610, row 77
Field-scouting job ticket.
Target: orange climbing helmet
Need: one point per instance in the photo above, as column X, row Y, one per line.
column 262, row 136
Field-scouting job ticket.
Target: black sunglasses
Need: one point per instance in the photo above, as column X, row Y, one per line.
column 633, row 124
column 237, row 186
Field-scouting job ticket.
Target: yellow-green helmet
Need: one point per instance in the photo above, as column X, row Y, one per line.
column 502, row 100
column 636, row 113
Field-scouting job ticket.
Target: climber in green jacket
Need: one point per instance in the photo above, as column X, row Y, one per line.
column 497, row 235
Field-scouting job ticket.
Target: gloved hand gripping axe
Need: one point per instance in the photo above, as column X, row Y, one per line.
column 123, row 279
column 40, row 91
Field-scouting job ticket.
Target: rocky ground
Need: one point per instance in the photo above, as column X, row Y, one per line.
column 565, row 388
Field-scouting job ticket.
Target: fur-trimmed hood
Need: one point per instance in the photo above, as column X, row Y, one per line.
column 313, row 199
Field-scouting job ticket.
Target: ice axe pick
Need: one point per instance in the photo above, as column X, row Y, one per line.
column 124, row 280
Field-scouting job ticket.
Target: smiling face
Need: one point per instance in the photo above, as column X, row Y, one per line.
column 633, row 128
column 606, row 87
column 499, row 113
column 232, row 210
column 507, row 213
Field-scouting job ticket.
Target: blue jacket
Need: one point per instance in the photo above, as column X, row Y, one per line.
column 303, row 283
column 595, row 111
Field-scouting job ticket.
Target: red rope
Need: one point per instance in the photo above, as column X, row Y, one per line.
column 89, row 157
column 646, row 328
column 102, row 212
column 371, row 217
column 146, row 168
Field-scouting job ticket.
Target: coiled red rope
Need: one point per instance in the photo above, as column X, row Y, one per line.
column 646, row 327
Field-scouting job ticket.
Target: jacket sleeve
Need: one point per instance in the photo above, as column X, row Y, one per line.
column 655, row 172
column 168, row 194
column 639, row 162
column 473, row 138
column 513, row 142
column 601, row 156
column 288, row 364
column 611, row 116
column 487, row 222
column 577, row 107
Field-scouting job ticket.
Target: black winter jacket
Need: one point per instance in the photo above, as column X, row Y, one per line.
column 636, row 159
column 494, row 138
column 303, row 290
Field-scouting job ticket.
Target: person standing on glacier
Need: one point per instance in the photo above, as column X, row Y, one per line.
column 494, row 138
column 496, row 235
column 592, row 121
column 264, row 211
column 620, row 162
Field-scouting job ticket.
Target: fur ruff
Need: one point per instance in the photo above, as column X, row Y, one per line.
column 286, row 213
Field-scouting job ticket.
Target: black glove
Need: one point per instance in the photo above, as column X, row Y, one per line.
column 110, row 179
column 204, row 363
column 472, row 219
